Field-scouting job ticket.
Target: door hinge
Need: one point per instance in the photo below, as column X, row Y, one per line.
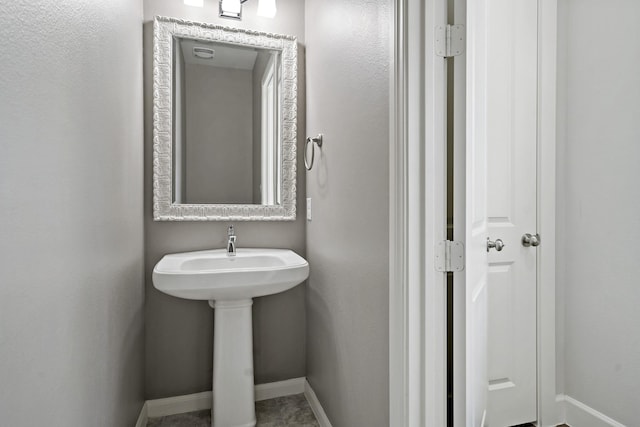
column 450, row 40
column 449, row 256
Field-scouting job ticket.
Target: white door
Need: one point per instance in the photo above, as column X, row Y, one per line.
column 511, row 208
column 500, row 203
column 474, row 411
column 495, row 186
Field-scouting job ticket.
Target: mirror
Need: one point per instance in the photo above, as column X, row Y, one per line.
column 224, row 123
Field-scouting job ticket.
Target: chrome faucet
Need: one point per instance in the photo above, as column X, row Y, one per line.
column 231, row 243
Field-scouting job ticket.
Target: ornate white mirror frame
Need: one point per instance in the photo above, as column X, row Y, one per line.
column 164, row 208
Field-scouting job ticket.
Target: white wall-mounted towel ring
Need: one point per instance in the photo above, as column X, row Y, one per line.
column 317, row 140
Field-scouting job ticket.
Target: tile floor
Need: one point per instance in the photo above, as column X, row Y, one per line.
column 533, row 425
column 279, row 412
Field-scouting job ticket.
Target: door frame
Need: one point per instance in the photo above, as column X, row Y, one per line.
column 417, row 315
column 546, row 267
column 417, row 209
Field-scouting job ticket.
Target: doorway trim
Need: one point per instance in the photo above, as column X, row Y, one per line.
column 417, row 293
column 417, row 203
column 546, row 269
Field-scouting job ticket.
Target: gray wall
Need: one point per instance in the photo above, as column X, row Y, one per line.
column 347, row 241
column 599, row 204
column 179, row 332
column 71, row 233
column 219, row 135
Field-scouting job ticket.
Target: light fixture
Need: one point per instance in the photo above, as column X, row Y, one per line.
column 203, row 52
column 196, row 3
column 267, row 8
column 233, row 8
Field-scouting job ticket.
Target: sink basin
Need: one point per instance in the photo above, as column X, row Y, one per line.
column 213, row 275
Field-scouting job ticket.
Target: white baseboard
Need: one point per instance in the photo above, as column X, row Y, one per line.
column 143, row 417
column 203, row 401
column 316, row 407
column 279, row 389
column 179, row 404
column 580, row 415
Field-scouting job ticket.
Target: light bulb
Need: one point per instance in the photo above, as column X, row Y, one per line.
column 267, row 8
column 231, row 9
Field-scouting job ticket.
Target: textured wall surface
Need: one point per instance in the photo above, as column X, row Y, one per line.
column 179, row 332
column 599, row 204
column 348, row 60
column 71, row 213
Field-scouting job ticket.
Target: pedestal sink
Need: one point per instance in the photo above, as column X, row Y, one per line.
column 229, row 283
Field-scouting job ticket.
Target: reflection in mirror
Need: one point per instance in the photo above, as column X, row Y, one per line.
column 226, row 140
column 224, row 123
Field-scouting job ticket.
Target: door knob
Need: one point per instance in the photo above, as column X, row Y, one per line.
column 530, row 240
column 498, row 245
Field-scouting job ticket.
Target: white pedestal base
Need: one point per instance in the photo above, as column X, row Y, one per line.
column 233, row 393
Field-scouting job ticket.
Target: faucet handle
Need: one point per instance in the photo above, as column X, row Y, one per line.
column 230, row 231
